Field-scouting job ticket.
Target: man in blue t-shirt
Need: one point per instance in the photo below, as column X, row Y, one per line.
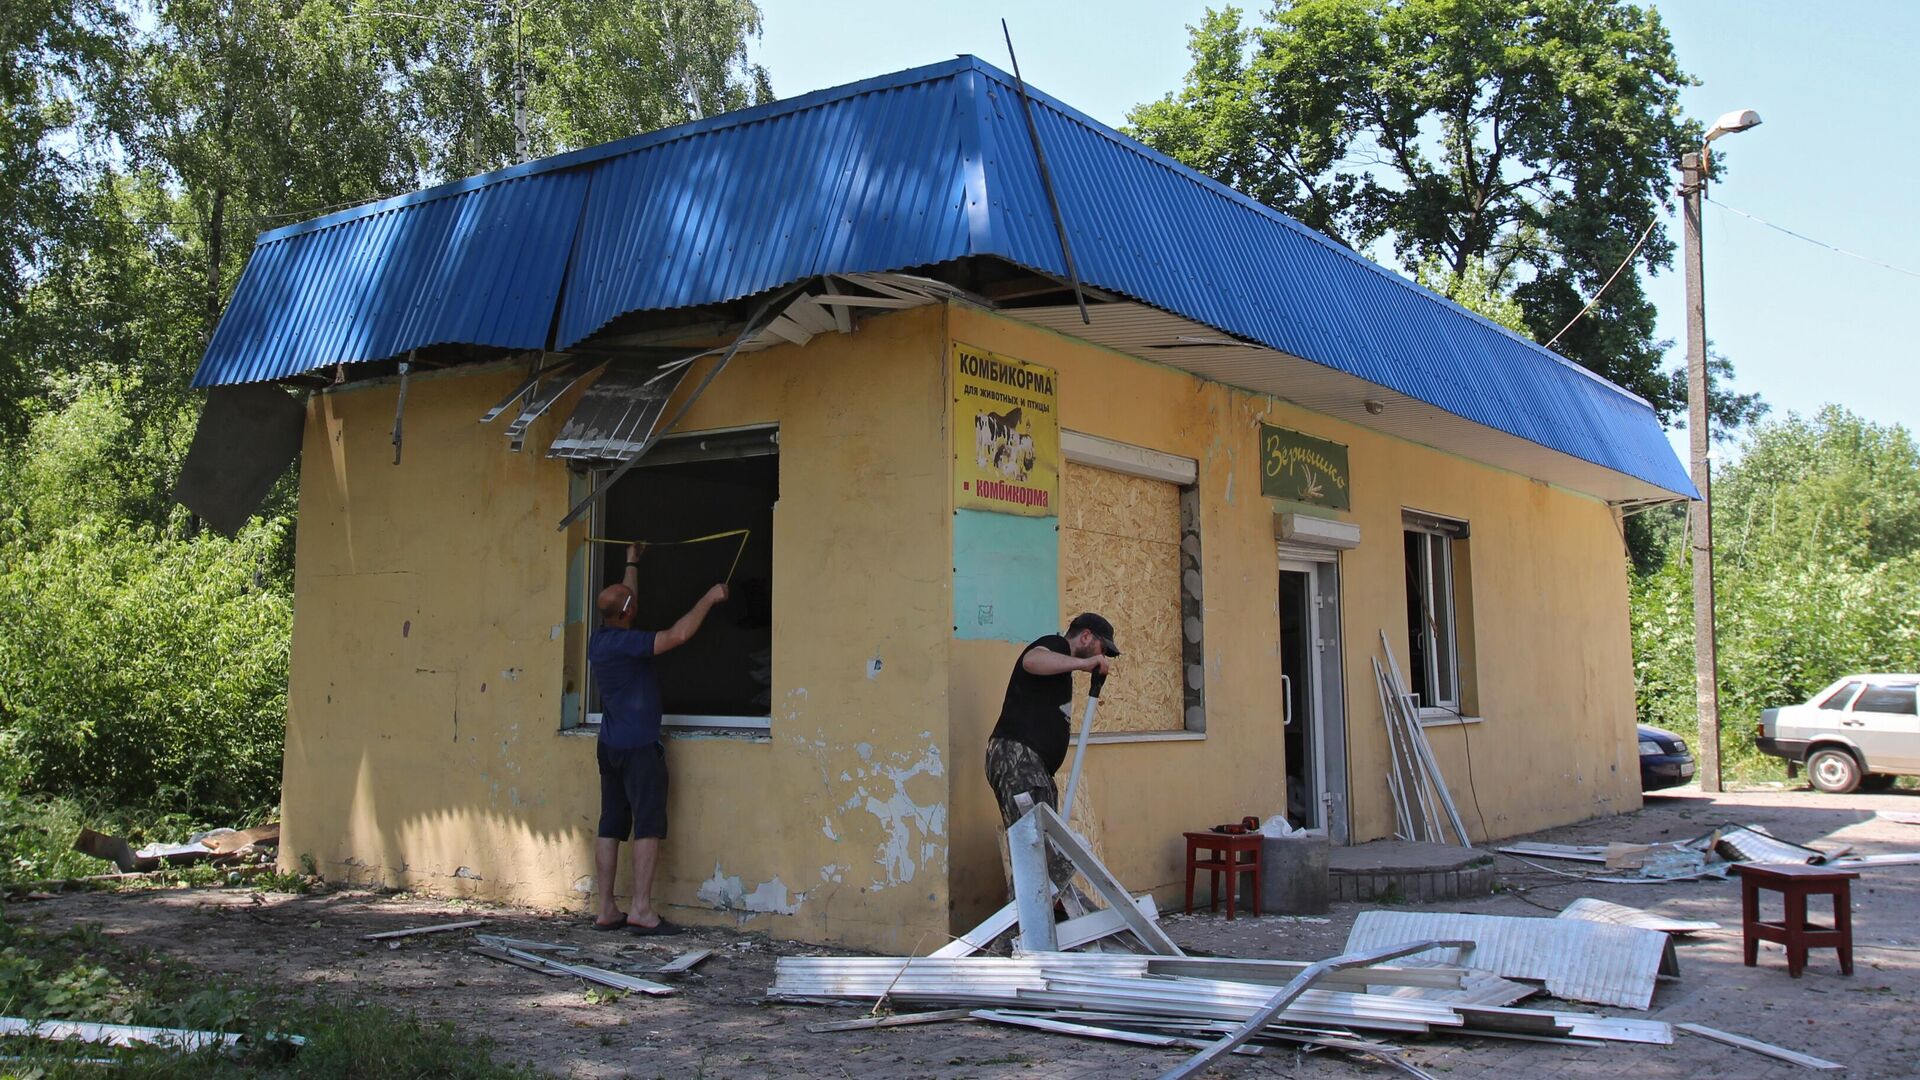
column 633, row 764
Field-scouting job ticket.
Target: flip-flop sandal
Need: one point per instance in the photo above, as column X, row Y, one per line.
column 662, row 928
column 611, row 926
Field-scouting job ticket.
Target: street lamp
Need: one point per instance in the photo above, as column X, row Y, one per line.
column 1694, row 169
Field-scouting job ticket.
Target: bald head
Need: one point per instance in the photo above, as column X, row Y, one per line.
column 616, row 605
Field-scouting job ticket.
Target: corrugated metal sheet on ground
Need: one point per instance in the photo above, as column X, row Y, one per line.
column 914, row 169
column 1578, row 961
column 1742, row 844
column 1620, row 915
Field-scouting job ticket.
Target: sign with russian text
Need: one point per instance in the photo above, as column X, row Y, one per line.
column 1006, row 434
column 1303, row 469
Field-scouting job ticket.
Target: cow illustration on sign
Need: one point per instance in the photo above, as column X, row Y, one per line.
column 1001, row 442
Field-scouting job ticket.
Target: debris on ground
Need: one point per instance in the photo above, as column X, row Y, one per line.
column 216, row 845
column 1709, row 856
column 438, row 928
column 1578, row 960
column 1463, row 979
column 534, row 956
column 684, row 962
column 1758, row 1047
column 1619, row 914
column 127, row 1034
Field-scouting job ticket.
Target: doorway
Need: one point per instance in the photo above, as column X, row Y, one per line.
column 1312, row 708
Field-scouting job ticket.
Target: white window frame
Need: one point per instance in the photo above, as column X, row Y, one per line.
column 1438, row 604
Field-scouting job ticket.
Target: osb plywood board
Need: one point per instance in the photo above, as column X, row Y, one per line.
column 1120, row 556
column 1119, row 505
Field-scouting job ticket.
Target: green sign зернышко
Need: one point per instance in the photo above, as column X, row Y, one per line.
column 1303, row 469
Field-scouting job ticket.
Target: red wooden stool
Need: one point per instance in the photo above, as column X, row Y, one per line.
column 1795, row 882
column 1218, row 854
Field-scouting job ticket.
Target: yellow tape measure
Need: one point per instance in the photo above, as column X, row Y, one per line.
column 643, row 545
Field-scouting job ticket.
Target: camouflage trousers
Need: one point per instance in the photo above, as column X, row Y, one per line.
column 1015, row 768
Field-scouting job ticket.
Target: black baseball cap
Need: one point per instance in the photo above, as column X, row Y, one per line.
column 1101, row 628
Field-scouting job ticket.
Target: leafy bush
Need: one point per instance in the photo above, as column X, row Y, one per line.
column 142, row 663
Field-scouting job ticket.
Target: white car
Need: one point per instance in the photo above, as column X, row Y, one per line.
column 1861, row 732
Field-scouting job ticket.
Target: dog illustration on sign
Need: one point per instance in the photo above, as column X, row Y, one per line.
column 1000, row 443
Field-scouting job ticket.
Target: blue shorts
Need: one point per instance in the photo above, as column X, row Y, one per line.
column 633, row 792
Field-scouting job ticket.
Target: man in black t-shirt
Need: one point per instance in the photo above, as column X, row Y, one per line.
column 1029, row 743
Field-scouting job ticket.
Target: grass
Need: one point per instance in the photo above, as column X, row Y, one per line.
column 83, row 975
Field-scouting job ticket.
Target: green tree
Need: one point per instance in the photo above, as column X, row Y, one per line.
column 1816, row 573
column 1830, row 486
column 1527, row 140
column 257, row 112
column 143, row 662
column 490, row 83
column 54, row 57
column 1474, row 290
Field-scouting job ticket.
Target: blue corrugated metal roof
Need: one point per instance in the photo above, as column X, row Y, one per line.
column 481, row 265
column 913, row 169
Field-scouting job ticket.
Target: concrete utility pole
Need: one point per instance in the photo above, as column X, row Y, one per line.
column 1694, row 169
column 1706, row 658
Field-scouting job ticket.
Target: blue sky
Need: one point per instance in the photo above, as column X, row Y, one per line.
column 1803, row 326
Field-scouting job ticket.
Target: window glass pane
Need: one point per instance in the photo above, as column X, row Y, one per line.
column 1841, row 696
column 1886, row 699
column 1419, row 641
column 1440, row 611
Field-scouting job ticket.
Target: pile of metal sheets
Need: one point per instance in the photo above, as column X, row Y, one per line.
column 1222, row 1005
column 1074, row 984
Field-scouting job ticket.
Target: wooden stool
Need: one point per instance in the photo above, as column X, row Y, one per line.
column 1222, row 855
column 1795, row 882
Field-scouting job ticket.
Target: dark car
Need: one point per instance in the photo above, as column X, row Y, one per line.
column 1664, row 759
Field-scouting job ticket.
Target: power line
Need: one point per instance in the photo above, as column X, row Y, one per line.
column 1816, row 243
column 1644, row 233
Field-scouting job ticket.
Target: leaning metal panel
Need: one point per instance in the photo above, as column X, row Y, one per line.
column 617, row 414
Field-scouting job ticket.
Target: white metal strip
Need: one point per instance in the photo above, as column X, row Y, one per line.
column 1758, row 1047
column 1126, row 458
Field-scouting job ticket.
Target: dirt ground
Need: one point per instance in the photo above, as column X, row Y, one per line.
column 718, row 1026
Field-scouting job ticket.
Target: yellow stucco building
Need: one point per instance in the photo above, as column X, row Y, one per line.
column 1255, row 480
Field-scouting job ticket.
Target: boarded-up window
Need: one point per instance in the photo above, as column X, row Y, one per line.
column 1120, row 556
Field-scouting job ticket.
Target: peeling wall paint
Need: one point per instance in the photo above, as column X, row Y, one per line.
column 726, row 893
column 909, row 825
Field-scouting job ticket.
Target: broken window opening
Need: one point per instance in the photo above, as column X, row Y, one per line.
column 686, row 487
